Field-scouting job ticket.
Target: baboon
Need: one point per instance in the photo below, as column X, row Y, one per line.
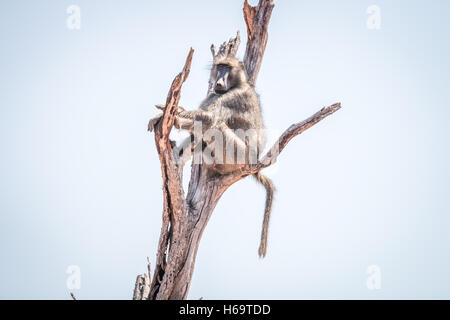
column 232, row 110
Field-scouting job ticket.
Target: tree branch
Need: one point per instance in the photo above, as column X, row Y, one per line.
column 142, row 286
column 174, row 208
column 294, row 130
column 249, row 16
column 257, row 21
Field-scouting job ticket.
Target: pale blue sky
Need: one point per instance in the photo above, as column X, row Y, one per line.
column 80, row 178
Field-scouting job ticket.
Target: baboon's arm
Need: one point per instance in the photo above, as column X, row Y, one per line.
column 183, row 152
column 185, row 119
column 198, row 115
column 154, row 121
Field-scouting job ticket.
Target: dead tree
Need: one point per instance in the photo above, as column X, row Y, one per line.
column 182, row 224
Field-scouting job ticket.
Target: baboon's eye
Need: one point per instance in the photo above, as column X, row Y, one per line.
column 223, row 67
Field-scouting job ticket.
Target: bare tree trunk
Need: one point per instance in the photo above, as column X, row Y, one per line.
column 185, row 219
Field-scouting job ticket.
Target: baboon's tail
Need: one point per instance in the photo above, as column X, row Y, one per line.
column 270, row 189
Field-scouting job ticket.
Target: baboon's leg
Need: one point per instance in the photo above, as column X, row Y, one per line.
column 231, row 137
column 183, row 152
column 233, row 150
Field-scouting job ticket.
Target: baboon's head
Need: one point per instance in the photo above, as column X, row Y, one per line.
column 229, row 73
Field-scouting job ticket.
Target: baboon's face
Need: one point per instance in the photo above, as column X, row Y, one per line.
column 227, row 77
column 223, row 73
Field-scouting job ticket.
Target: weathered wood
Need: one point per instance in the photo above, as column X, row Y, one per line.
column 184, row 220
column 142, row 286
column 257, row 21
column 249, row 16
column 174, row 209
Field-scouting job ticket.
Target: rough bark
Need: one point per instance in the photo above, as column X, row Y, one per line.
column 185, row 219
column 257, row 21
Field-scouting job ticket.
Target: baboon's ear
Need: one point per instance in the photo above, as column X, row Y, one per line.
column 241, row 64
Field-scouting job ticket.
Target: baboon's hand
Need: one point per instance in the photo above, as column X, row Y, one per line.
column 163, row 107
column 177, row 122
column 153, row 122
